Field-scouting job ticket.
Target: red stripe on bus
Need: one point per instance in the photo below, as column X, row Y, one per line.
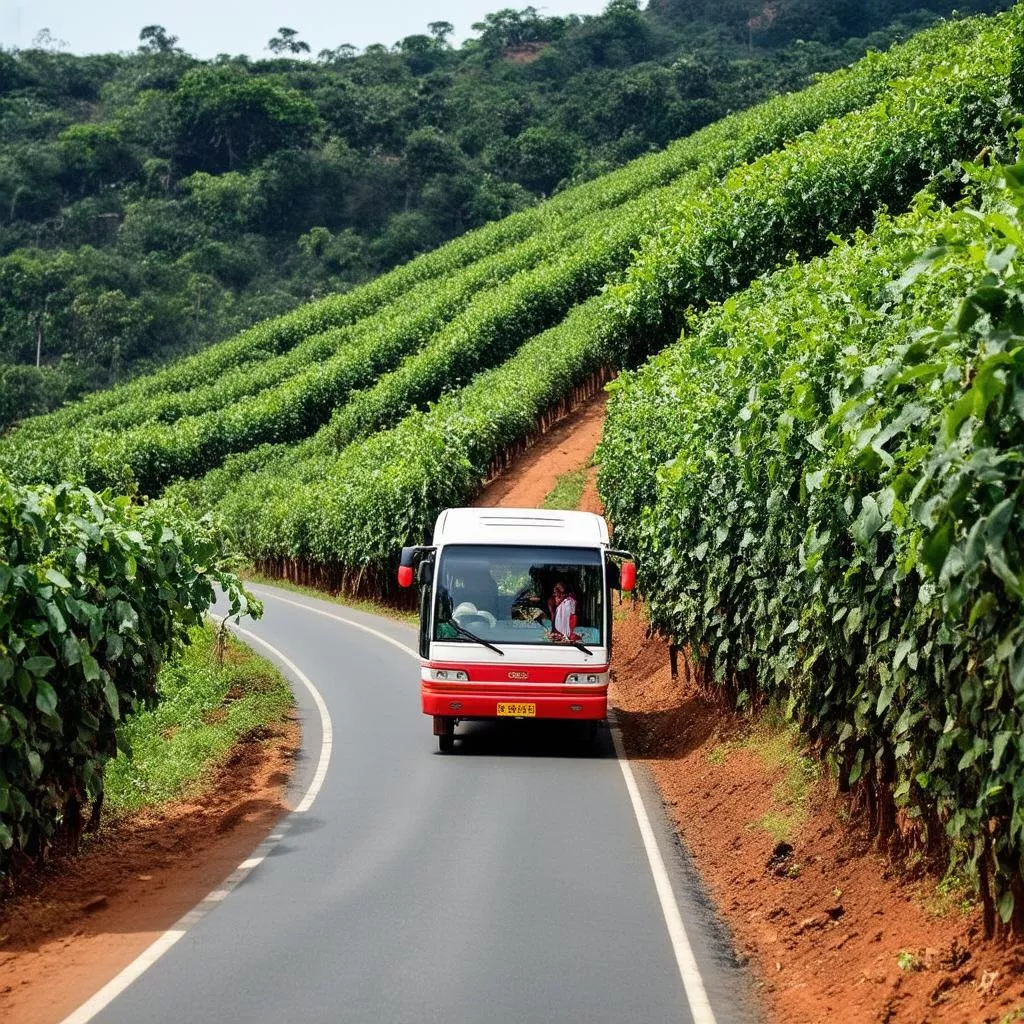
column 493, row 673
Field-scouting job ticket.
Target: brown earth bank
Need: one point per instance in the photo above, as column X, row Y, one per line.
column 831, row 930
column 68, row 929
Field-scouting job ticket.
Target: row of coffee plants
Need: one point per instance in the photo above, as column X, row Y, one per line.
column 872, row 159
column 911, row 142
column 349, row 511
column 407, row 321
column 462, row 333
column 787, row 201
column 715, row 149
column 824, row 486
column 95, row 594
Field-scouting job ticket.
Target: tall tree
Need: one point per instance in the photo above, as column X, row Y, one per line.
column 287, row 41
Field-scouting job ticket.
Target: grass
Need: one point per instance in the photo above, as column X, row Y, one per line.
column 404, row 615
column 568, row 490
column 907, row 961
column 777, row 743
column 204, row 708
column 954, row 894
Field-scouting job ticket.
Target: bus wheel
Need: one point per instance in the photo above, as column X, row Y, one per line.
column 446, row 742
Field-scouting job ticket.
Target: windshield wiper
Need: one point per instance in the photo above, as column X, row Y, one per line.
column 472, row 636
column 581, row 647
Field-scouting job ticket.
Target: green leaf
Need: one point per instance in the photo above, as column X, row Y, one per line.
column 985, row 604
column 936, row 546
column 110, row 693
column 90, row 667
column 884, row 699
column 1006, row 907
column 46, row 697
column 39, row 665
column 998, row 522
column 999, row 747
column 868, row 522
column 35, row 764
column 903, row 648
column 858, row 767
column 58, row 579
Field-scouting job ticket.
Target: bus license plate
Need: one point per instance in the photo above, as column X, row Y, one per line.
column 517, row 710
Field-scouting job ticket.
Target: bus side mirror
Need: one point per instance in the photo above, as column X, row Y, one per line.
column 627, row 576
column 425, row 572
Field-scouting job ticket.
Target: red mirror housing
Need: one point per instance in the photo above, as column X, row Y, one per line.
column 627, row 576
column 405, row 575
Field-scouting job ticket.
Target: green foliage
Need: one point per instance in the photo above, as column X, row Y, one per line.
column 357, row 508
column 177, row 190
column 95, row 593
column 207, row 700
column 226, row 118
column 823, row 483
column 504, row 283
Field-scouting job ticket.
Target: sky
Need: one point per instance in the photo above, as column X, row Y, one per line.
column 208, row 27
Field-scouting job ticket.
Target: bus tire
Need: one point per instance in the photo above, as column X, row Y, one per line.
column 446, row 742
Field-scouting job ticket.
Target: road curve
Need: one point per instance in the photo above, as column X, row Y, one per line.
column 506, row 882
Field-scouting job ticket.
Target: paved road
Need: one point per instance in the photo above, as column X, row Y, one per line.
column 505, row 883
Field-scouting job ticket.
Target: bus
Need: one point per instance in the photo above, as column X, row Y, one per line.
column 515, row 616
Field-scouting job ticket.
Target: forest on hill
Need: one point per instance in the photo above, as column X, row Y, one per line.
column 152, row 203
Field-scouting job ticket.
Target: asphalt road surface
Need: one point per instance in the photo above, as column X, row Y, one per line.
column 507, row 882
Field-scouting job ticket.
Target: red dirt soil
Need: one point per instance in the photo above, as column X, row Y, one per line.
column 71, row 928
column 824, row 945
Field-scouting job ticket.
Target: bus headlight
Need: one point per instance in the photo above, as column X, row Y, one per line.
column 581, row 679
column 449, row 675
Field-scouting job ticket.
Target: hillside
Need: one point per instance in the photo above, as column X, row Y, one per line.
column 154, row 203
column 815, row 312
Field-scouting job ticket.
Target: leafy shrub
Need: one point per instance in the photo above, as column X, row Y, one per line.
column 95, row 593
column 824, row 486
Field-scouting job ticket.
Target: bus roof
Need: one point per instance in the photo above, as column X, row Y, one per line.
column 520, row 526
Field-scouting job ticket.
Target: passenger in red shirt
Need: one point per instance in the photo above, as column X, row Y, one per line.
column 563, row 613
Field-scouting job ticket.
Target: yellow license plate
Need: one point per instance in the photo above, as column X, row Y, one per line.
column 517, row 710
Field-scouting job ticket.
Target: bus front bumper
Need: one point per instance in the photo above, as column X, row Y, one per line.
column 482, row 701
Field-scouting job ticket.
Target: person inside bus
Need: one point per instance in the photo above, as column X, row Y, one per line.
column 479, row 589
column 563, row 614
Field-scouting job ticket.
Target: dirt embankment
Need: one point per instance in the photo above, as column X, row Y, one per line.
column 71, row 928
column 832, row 931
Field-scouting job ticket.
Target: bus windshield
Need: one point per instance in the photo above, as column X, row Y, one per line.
column 520, row 595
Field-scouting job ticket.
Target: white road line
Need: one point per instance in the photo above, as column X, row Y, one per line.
column 155, row 950
column 340, row 618
column 327, row 729
column 693, row 984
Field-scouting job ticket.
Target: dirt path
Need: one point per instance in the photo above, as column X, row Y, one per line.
column 566, row 447
column 71, row 929
column 832, row 931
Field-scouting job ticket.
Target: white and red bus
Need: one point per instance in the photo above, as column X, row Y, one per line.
column 515, row 615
